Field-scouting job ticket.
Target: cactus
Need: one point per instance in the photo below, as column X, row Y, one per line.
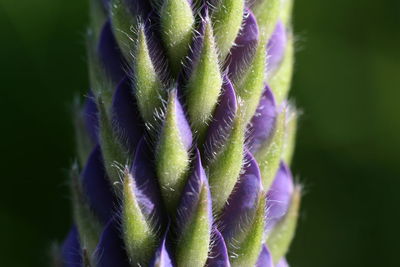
column 185, row 137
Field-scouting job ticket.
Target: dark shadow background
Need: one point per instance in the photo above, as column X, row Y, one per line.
column 347, row 82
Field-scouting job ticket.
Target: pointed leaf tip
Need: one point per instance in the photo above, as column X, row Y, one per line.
column 249, row 84
column 227, row 19
column 205, row 81
column 172, row 152
column 125, row 16
column 176, row 21
column 112, row 149
column 224, row 168
column 146, row 81
column 246, row 252
column 138, row 229
column 123, row 22
column 194, row 219
column 267, row 13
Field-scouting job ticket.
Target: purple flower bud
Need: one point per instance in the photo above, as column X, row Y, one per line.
column 223, row 118
column 182, row 123
column 110, row 251
column 162, row 258
column 71, row 251
column 191, row 192
column 279, row 196
column 194, row 219
column 243, row 201
column 245, row 45
column 276, row 47
column 126, row 117
column 263, row 122
column 97, row 187
column 143, row 172
column 110, row 55
column 265, row 258
column 219, row 254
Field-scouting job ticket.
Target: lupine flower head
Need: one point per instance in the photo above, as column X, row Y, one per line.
column 185, row 137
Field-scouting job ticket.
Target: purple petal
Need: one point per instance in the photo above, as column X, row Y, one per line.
column 243, row 201
column 182, row 122
column 276, row 47
column 110, row 55
column 223, row 117
column 126, row 117
column 279, row 196
column 143, row 172
column 91, row 117
column 71, row 249
column 191, row 192
column 162, row 258
column 263, row 122
column 245, row 46
column 219, row 253
column 96, row 186
column 282, row 263
column 265, row 258
column 110, row 250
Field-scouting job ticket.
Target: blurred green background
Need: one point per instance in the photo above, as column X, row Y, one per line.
column 347, row 83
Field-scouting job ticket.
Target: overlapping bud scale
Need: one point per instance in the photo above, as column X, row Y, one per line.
column 185, row 137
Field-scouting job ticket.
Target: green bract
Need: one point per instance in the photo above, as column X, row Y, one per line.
column 227, row 19
column 138, row 232
column 147, row 85
column 205, row 83
column 177, row 21
column 172, row 156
